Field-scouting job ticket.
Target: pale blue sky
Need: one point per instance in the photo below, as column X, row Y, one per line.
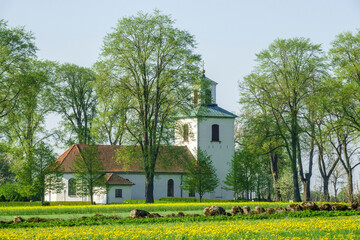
column 228, row 33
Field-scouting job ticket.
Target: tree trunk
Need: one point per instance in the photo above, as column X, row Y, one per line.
column 350, row 194
column 275, row 174
column 306, row 185
column 326, row 188
column 149, row 188
column 297, row 197
column 335, row 190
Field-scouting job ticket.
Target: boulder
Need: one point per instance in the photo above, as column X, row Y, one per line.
column 246, row 209
column 339, row 207
column 180, row 214
column 235, row 210
column 228, row 214
column 294, row 207
column 137, row 213
column 309, row 206
column 270, row 210
column 37, row 219
column 354, row 206
column 214, row 211
column 259, row 210
column 154, row 215
column 325, row 207
column 18, row 219
column 280, row 209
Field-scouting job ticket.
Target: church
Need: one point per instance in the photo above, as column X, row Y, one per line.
column 207, row 127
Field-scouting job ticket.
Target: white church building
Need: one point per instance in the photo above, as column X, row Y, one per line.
column 207, row 126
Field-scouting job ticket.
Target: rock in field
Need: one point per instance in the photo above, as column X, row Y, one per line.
column 294, row 207
column 270, row 210
column 259, row 210
column 281, row 209
column 339, row 207
column 354, row 206
column 18, row 219
column 246, row 209
column 235, row 210
column 214, row 211
column 136, row 213
column 325, row 207
column 154, row 215
column 309, row 206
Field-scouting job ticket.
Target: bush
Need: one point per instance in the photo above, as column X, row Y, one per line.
column 179, row 199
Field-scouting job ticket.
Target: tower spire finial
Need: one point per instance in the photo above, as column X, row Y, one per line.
column 203, row 69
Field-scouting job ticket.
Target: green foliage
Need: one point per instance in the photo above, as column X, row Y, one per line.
column 75, row 101
column 88, row 170
column 180, row 199
column 148, row 65
column 200, row 175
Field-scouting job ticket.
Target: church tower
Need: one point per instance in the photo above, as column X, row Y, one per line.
column 210, row 128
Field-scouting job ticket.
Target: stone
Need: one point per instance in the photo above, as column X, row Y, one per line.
column 154, row 215
column 354, row 206
column 37, row 219
column 18, row 219
column 309, row 206
column 270, row 210
column 294, row 207
column 137, row 213
column 325, row 207
column 180, row 214
column 214, row 211
column 280, row 209
column 259, row 210
column 339, row 207
column 246, row 209
column 235, row 210
column 228, row 214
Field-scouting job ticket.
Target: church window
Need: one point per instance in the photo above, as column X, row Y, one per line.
column 208, row 98
column 215, row 133
column 118, row 193
column 170, row 189
column 72, row 187
column 186, row 132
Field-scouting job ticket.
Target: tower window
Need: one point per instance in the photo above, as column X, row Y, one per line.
column 215, row 133
column 196, row 97
column 118, row 193
column 208, row 97
column 186, row 132
column 170, row 189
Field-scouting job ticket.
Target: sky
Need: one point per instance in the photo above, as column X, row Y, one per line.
column 228, row 33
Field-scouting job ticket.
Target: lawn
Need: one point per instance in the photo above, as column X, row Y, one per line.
column 289, row 228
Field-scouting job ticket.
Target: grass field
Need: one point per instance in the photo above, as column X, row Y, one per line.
column 291, row 228
column 300, row 225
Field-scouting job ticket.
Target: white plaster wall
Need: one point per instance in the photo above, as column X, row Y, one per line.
column 221, row 152
column 160, row 185
column 193, row 134
column 126, row 193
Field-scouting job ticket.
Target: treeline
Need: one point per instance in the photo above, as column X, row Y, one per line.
column 300, row 108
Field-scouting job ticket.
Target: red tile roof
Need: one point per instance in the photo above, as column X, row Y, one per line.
column 120, row 159
column 114, row 179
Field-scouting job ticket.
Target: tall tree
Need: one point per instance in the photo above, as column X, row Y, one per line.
column 75, row 101
column 285, row 76
column 151, row 63
column 89, row 172
column 16, row 48
column 26, row 130
column 201, row 175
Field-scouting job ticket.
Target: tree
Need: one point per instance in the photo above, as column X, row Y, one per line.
column 48, row 173
column 89, row 172
column 201, row 175
column 25, row 124
column 286, row 75
column 151, row 63
column 16, row 48
column 75, row 101
column 5, row 165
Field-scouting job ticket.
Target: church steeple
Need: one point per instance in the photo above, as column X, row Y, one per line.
column 204, row 92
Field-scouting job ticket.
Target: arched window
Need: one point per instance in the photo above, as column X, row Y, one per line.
column 170, row 189
column 72, row 187
column 215, row 133
column 186, row 132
